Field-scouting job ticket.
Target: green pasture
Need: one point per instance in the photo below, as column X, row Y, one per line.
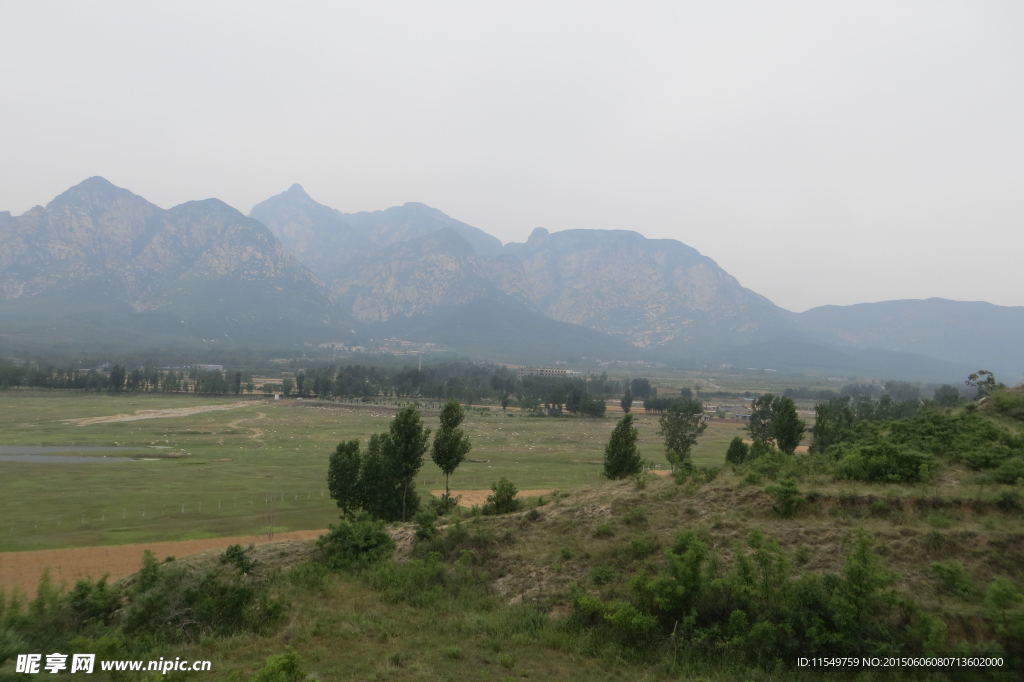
column 257, row 468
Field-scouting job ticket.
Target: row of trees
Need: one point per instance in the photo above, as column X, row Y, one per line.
column 680, row 425
column 380, row 481
column 120, row 379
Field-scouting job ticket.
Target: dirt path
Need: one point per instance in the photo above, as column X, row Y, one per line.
column 256, row 433
column 469, row 498
column 158, row 414
column 22, row 570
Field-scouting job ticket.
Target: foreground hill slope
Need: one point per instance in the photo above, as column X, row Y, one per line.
column 498, row 598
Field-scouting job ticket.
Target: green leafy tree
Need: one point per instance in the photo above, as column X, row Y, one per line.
column 760, row 424
column 376, row 492
column 983, row 382
column 947, row 396
column 343, row 476
column 681, row 426
column 627, row 401
column 834, row 421
column 403, row 455
column 592, row 407
column 787, row 427
column 621, row 457
column 117, row 377
column 738, row 451
column 451, row 445
column 774, row 421
column 641, row 388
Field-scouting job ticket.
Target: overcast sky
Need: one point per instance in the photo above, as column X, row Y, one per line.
column 821, row 152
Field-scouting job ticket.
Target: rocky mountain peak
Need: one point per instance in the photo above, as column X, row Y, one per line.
column 538, row 234
column 297, row 191
column 92, row 192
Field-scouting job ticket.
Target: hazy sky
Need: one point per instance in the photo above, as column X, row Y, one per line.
column 821, row 152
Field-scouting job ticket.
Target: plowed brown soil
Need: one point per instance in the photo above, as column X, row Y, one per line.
column 22, row 570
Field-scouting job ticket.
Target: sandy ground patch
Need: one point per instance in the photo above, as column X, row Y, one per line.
column 22, row 570
column 469, row 498
column 158, row 414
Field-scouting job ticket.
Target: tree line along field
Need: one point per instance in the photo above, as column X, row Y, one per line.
column 259, row 467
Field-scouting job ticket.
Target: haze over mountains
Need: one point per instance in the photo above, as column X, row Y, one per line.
column 100, row 267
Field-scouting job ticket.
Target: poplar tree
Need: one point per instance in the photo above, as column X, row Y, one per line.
column 621, row 458
column 451, row 445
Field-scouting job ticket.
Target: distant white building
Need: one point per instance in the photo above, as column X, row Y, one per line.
column 545, row 372
column 209, row 368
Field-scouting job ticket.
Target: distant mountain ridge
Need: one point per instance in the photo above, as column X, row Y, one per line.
column 100, row 263
column 972, row 333
column 200, row 270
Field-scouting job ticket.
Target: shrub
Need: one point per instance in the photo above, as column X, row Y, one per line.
column 425, row 528
column 1011, row 471
column 175, row 603
column 1009, row 402
column 759, row 611
column 953, row 579
column 238, row 557
column 92, row 603
column 417, row 581
column 634, row 517
column 619, row 621
column 603, row 531
column 355, row 543
column 787, row 499
column 643, row 546
column 738, row 451
column 284, row 667
column 882, row 462
column 502, row 499
column 1009, row 501
column 602, row 575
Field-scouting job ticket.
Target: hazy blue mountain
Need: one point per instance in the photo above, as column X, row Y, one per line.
column 413, row 220
column 329, row 241
column 103, row 265
column 972, row 334
column 653, row 293
column 502, row 329
column 318, row 235
column 99, row 265
column 415, row 277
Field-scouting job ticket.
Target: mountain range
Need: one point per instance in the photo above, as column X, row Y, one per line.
column 102, row 268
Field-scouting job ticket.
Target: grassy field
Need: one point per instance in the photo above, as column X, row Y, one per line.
column 257, row 467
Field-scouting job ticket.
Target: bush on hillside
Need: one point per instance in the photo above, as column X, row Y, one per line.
column 738, row 451
column 502, row 499
column 882, row 463
column 760, row 611
column 1009, row 402
column 355, row 543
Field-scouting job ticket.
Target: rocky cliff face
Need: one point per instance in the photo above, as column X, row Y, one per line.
column 203, row 263
column 651, row 292
column 414, row 259
column 99, row 264
column 334, row 244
